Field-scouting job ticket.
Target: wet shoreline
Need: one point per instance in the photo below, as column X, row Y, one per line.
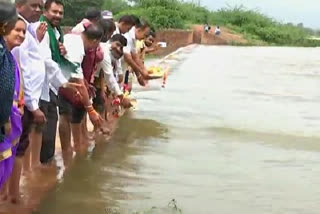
column 38, row 184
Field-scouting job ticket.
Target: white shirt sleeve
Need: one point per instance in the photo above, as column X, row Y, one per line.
column 106, row 66
column 32, row 69
column 119, row 70
column 131, row 46
column 75, row 53
column 127, row 49
column 53, row 71
column 133, row 40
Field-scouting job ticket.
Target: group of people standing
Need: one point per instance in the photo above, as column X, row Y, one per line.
column 207, row 29
column 49, row 80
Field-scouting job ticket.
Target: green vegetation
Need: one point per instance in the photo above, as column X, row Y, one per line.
column 256, row 26
column 164, row 14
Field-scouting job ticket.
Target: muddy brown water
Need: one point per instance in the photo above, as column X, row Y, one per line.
column 236, row 130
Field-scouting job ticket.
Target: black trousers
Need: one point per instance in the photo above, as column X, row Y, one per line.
column 27, row 126
column 49, row 131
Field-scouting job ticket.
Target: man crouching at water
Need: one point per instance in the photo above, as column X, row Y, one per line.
column 113, row 51
column 72, row 112
column 139, row 32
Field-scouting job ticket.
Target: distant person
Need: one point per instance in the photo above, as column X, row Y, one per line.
column 207, row 28
column 107, row 15
column 217, row 31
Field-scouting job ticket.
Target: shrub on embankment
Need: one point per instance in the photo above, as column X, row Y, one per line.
column 168, row 14
column 257, row 26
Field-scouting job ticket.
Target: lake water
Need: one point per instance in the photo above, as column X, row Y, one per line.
column 236, row 130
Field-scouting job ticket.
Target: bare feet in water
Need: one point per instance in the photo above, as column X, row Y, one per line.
column 26, row 172
column 15, row 200
column 4, row 197
column 102, row 131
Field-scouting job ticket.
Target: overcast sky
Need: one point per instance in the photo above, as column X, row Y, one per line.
column 296, row 11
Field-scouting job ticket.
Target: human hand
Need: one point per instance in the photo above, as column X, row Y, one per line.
column 126, row 103
column 91, row 90
column 41, row 31
column 141, row 80
column 39, row 117
column 95, row 118
column 62, row 49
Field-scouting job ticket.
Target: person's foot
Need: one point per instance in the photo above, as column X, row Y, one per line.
column 35, row 166
column 87, row 136
column 67, row 158
column 42, row 166
column 4, row 197
column 86, row 144
column 15, row 200
column 68, row 150
column 83, row 150
column 105, row 131
column 77, row 149
column 92, row 134
column 26, row 172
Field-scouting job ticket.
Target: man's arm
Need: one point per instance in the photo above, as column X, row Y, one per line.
column 119, row 71
column 151, row 49
column 139, row 62
column 136, row 69
column 76, row 58
column 133, row 64
column 133, row 61
column 106, row 66
column 33, row 72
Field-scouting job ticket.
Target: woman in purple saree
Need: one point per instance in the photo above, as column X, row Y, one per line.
column 12, row 34
column 9, row 145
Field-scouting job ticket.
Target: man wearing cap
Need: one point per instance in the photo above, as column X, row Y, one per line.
column 107, row 15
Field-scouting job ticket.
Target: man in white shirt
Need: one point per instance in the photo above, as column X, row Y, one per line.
column 99, row 99
column 113, row 51
column 70, row 110
column 131, row 57
column 217, row 31
column 123, row 26
column 43, row 145
column 53, row 14
column 34, row 67
column 33, row 72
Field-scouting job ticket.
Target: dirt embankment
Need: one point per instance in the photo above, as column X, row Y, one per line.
column 225, row 38
column 179, row 38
